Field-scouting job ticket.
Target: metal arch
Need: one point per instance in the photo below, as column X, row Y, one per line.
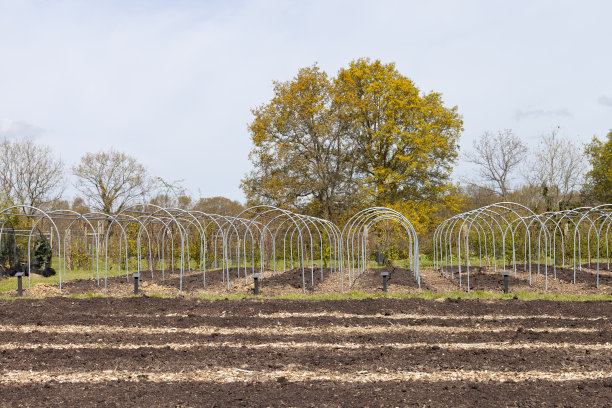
column 493, row 215
column 194, row 221
column 444, row 232
column 335, row 230
column 163, row 231
column 597, row 209
column 179, row 227
column 480, row 216
column 295, row 217
column 356, row 223
column 576, row 213
column 550, row 230
column 4, row 222
column 94, row 239
column 226, row 248
column 115, row 219
column 368, row 225
column 203, row 243
column 289, row 214
column 138, row 242
column 546, row 240
column 472, row 216
column 367, row 222
column 59, row 242
column 503, row 206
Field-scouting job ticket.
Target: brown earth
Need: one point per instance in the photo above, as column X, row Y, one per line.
column 262, row 352
column 398, row 278
column 543, row 279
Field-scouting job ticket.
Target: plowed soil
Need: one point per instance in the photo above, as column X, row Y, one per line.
column 293, row 278
column 399, row 278
column 550, row 278
column 144, row 351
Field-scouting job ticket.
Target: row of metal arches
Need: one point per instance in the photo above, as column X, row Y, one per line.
column 226, row 235
column 509, row 230
column 159, row 240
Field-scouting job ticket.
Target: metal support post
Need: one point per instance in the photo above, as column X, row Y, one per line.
column 384, row 278
column 136, row 277
column 256, row 282
column 19, row 275
column 505, row 274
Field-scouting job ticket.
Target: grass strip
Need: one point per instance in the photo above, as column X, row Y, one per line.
column 355, row 295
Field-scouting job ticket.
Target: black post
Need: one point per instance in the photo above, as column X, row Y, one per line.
column 505, row 274
column 384, row 277
column 256, row 282
column 19, row 275
column 136, row 277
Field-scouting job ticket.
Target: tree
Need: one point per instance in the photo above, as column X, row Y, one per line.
column 301, row 154
column 170, row 194
column 476, row 196
column 406, row 140
column 498, row 155
column 29, row 173
column 111, row 180
column 367, row 137
column 558, row 168
column 79, row 205
column 218, row 205
column 598, row 181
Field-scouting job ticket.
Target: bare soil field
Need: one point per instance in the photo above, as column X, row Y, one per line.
column 187, row 352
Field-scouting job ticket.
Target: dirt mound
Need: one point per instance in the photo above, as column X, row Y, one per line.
column 297, row 278
column 399, row 278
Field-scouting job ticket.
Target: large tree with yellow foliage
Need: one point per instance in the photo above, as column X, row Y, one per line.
column 368, row 136
column 598, row 183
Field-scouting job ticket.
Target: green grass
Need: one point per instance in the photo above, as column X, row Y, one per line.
column 229, row 296
column 360, row 296
column 160, row 295
column 87, row 295
column 519, row 295
column 424, row 295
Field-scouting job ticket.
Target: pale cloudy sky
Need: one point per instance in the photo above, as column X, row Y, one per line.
column 172, row 82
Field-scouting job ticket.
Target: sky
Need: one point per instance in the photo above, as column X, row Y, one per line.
column 172, row 83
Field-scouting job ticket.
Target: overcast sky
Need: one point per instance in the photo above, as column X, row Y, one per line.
column 172, row 82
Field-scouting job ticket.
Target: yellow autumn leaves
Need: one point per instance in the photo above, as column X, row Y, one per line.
column 367, row 136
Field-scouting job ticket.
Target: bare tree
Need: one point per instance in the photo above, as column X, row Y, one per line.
column 29, row 173
column 110, row 180
column 498, row 155
column 558, row 167
column 79, row 205
column 218, row 205
column 170, row 194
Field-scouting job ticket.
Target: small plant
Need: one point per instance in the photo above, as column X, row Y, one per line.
column 42, row 253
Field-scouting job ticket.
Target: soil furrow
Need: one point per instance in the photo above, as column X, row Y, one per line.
column 431, row 358
column 95, row 308
column 263, row 336
column 281, row 392
column 261, row 322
